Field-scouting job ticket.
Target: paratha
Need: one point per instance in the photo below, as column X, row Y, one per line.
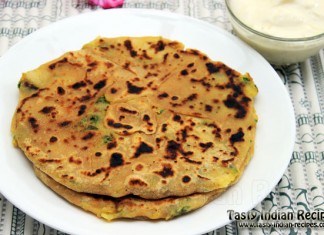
column 130, row 207
column 137, row 116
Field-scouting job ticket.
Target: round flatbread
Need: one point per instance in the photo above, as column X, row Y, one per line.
column 137, row 116
column 130, row 207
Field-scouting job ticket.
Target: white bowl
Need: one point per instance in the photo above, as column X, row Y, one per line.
column 276, row 50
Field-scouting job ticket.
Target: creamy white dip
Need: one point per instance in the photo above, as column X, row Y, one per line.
column 282, row 18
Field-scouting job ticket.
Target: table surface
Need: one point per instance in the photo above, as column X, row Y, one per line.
column 302, row 185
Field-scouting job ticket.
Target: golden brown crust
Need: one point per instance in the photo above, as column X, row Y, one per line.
column 132, row 207
column 140, row 116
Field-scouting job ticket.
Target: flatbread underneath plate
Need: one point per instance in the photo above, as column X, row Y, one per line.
column 132, row 207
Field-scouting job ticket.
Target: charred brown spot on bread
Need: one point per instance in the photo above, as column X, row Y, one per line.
column 206, row 146
column 145, row 55
column 75, row 161
column 137, row 182
column 46, row 160
column 108, row 65
column 139, row 167
column 64, row 176
column 133, row 53
column 165, row 57
column 177, row 118
column 176, row 56
column 216, row 130
column 235, row 152
column 191, row 97
column 117, row 125
column 194, row 52
column 230, row 102
column 125, row 110
column 99, row 85
column 237, row 90
column 186, row 179
column 82, row 109
column 166, row 171
column 60, row 90
column 47, row 109
column 135, row 79
column 237, row 137
column 184, row 134
column 229, row 71
column 226, row 162
column 104, row 48
column 53, row 65
column 208, row 108
column 93, row 64
column 164, row 127
column 190, row 65
column 191, row 161
column 159, row 46
column 53, row 139
column 85, row 98
column 146, row 118
column 213, row 67
column 245, row 100
column 30, row 85
column 78, row 85
column 116, row 159
column 142, row 149
column 163, row 95
column 149, row 75
column 88, row 136
column 96, row 172
column 113, row 90
column 202, row 177
column 64, row 123
column 184, row 72
column 233, row 103
column 129, row 47
column 35, row 95
column 132, row 89
column 203, row 81
column 172, row 149
column 126, row 65
column 33, row 123
column 112, row 145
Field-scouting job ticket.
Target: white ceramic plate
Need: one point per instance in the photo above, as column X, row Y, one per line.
column 275, row 130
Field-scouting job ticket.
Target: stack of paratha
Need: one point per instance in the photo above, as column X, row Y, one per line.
column 136, row 127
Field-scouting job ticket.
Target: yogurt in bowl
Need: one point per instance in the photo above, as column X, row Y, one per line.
column 283, row 31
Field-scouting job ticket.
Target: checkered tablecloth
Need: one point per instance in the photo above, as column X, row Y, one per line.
column 302, row 185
